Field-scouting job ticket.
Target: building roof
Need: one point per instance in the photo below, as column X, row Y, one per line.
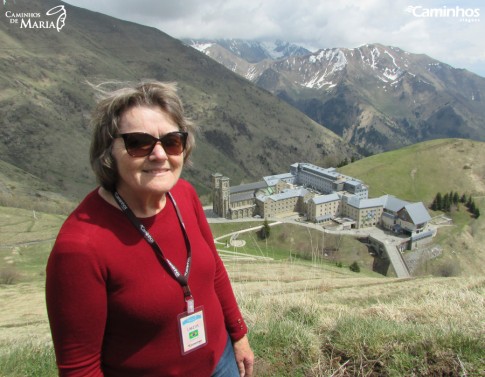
column 353, row 182
column 247, row 195
column 286, row 194
column 418, row 213
column 359, row 203
column 324, row 217
column 328, row 173
column 394, row 204
column 272, row 180
column 248, row 187
column 321, row 199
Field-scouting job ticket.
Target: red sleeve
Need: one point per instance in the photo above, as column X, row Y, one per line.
column 234, row 321
column 77, row 306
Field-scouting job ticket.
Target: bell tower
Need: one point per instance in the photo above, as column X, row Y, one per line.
column 220, row 194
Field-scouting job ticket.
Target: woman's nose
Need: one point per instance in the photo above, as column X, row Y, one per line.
column 158, row 152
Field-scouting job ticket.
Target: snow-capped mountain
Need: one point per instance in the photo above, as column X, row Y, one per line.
column 377, row 97
column 250, row 51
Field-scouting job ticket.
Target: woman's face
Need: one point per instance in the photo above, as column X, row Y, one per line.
column 156, row 173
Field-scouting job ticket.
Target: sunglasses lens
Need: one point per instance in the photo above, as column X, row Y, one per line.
column 139, row 144
column 173, row 143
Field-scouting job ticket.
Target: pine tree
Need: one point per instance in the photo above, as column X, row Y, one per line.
column 446, row 204
column 472, row 207
column 439, row 201
column 456, row 198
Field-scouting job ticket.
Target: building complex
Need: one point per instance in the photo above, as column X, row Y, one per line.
column 320, row 195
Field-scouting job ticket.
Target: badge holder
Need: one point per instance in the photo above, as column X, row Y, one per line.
column 192, row 328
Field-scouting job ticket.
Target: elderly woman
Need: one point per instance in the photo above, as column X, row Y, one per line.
column 135, row 286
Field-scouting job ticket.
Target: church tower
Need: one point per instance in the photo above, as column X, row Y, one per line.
column 220, row 194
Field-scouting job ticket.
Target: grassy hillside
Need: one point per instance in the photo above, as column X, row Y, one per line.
column 46, row 101
column 305, row 318
column 19, row 188
column 418, row 172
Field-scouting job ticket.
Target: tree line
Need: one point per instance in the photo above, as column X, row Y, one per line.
column 451, row 200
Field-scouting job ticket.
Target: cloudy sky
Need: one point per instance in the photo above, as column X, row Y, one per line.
column 450, row 31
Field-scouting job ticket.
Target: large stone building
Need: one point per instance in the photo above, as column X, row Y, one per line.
column 320, row 195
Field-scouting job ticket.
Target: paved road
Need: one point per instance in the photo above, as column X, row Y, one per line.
column 397, row 261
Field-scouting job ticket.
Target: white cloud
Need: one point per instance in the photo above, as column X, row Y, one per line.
column 315, row 23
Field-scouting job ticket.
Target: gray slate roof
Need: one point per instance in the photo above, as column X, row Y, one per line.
column 394, row 204
column 325, row 198
column 418, row 213
column 248, row 187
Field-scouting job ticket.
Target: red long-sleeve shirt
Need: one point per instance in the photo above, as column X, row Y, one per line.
column 113, row 306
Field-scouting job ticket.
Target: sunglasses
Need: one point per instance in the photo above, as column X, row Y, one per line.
column 140, row 144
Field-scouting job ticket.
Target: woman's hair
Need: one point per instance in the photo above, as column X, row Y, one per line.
column 106, row 118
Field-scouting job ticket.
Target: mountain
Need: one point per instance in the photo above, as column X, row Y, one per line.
column 250, row 51
column 376, row 97
column 46, row 99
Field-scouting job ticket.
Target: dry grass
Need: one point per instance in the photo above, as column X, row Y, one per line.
column 321, row 322
column 23, row 317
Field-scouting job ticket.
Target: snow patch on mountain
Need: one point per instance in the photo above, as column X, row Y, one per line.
column 202, row 47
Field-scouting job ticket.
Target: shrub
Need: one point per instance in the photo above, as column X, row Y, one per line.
column 354, row 267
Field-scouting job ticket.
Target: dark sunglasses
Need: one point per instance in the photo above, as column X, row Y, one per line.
column 140, row 144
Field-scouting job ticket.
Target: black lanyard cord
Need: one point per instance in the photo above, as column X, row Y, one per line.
column 182, row 279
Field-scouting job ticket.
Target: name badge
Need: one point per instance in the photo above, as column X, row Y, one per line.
column 192, row 330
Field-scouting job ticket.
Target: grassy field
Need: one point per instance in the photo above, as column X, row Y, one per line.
column 26, row 239
column 291, row 241
column 307, row 316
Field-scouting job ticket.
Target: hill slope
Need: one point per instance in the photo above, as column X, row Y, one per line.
column 418, row 172
column 45, row 100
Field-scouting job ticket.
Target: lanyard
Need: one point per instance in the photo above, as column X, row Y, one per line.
column 183, row 280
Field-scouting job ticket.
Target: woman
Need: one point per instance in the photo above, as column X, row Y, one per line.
column 134, row 285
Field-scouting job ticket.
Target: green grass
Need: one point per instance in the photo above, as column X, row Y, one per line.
column 387, row 348
column 28, row 360
column 290, row 241
column 420, row 171
column 26, row 238
column 421, row 327
column 220, row 229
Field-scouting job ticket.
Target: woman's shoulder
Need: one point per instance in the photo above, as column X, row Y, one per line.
column 91, row 212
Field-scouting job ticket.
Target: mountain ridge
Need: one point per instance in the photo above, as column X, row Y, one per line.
column 377, row 97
